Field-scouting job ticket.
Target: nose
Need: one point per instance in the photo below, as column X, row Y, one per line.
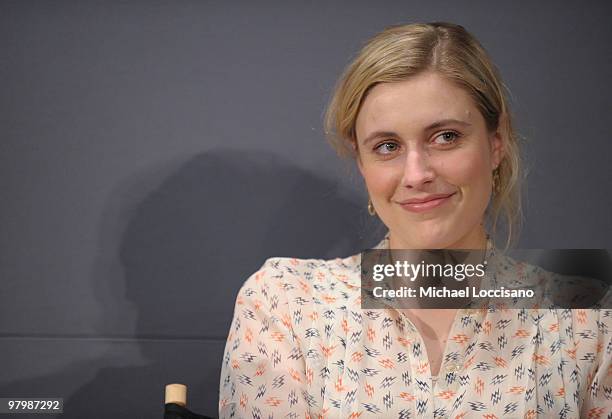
column 417, row 169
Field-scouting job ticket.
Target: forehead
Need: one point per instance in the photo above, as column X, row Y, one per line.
column 414, row 103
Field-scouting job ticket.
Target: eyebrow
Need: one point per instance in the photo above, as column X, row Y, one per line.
column 437, row 124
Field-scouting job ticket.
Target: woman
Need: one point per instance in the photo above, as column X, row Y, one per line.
column 423, row 112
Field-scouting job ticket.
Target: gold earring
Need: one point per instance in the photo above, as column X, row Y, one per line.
column 496, row 181
column 371, row 209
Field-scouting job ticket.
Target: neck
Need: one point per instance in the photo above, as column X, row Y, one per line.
column 476, row 239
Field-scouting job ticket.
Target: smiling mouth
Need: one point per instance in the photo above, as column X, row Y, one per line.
column 426, row 205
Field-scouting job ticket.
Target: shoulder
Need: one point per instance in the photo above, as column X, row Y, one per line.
column 303, row 278
column 586, row 303
column 288, row 269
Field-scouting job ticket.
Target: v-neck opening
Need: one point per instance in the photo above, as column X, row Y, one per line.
column 458, row 315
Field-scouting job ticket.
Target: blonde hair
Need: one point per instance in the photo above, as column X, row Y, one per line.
column 401, row 52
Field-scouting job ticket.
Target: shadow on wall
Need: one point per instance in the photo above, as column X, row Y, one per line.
column 192, row 242
column 184, row 252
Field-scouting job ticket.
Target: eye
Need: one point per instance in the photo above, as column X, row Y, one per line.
column 446, row 138
column 387, row 147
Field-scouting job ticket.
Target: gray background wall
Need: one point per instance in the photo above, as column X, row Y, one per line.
column 154, row 154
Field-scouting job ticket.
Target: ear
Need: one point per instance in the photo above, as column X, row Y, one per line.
column 498, row 142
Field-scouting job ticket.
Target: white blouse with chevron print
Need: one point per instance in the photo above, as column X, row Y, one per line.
column 301, row 346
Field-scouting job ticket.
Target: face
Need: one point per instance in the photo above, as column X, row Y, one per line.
column 427, row 159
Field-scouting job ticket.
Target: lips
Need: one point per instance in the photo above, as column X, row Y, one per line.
column 426, row 203
column 426, row 199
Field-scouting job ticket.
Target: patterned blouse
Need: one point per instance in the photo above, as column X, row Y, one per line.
column 301, row 346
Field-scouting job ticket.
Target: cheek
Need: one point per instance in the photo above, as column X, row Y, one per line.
column 467, row 170
column 471, row 173
column 380, row 181
column 466, row 165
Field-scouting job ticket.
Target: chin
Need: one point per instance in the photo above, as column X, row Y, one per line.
column 430, row 235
